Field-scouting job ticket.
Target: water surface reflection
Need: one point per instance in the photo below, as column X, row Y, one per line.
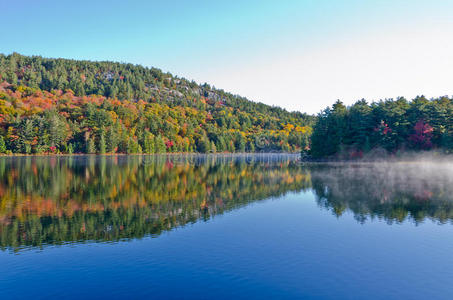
column 394, row 192
column 109, row 198
column 58, row 200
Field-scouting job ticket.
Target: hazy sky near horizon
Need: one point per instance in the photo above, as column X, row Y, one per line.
column 301, row 55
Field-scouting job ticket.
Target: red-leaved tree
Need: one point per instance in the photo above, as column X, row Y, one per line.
column 421, row 138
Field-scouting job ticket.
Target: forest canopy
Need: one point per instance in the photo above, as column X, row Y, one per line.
column 386, row 126
column 70, row 106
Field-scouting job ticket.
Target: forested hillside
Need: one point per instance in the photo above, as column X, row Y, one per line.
column 69, row 106
column 384, row 127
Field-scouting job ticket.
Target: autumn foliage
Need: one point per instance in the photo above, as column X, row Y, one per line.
column 391, row 126
column 68, row 106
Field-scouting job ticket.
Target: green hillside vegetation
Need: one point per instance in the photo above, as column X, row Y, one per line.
column 384, row 127
column 69, row 106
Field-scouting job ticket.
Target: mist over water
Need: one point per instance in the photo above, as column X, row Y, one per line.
column 394, row 191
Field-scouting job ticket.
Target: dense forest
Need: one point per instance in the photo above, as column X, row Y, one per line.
column 70, row 106
column 383, row 128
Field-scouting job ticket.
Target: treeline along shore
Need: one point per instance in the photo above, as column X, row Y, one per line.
column 62, row 106
column 68, row 106
column 384, row 128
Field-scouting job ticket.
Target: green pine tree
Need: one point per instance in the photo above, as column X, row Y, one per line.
column 102, row 145
column 148, row 143
column 2, row 145
column 91, row 147
column 160, row 145
column 213, row 147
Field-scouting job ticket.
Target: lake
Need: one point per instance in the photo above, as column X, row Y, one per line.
column 224, row 226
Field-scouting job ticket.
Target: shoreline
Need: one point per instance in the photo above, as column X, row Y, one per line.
column 147, row 154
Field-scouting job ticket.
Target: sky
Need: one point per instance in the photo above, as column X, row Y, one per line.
column 301, row 55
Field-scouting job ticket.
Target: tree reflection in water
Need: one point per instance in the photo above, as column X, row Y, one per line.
column 58, row 200
column 394, row 192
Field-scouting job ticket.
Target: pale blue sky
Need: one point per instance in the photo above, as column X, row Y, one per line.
column 301, row 55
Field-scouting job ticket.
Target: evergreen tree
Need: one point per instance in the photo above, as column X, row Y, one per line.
column 203, row 144
column 240, row 143
column 2, row 145
column 91, row 147
column 148, row 143
column 160, row 145
column 133, row 146
column 112, row 139
column 251, row 146
column 70, row 149
column 102, row 145
column 213, row 147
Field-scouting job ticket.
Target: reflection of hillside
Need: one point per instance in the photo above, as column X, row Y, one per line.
column 72, row 199
column 394, row 192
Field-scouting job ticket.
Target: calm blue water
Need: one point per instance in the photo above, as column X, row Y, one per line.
column 295, row 243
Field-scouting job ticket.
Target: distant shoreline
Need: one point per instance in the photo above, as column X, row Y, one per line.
column 148, row 154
